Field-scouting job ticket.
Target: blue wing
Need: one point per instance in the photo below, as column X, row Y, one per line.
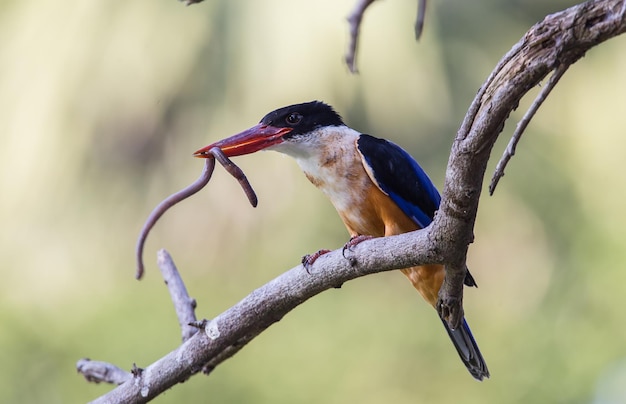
column 398, row 175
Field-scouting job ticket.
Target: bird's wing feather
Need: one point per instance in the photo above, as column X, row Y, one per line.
column 398, row 175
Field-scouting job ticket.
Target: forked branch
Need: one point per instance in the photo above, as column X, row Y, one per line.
column 550, row 45
column 354, row 22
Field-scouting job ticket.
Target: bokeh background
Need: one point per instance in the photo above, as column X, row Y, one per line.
column 102, row 104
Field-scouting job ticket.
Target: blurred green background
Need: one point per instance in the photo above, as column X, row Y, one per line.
column 102, row 104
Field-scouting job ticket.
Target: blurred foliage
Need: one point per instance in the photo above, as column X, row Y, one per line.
column 102, row 104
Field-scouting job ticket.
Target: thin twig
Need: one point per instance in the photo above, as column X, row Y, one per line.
column 354, row 19
column 419, row 21
column 236, row 172
column 102, row 372
column 183, row 304
column 523, row 124
column 165, row 205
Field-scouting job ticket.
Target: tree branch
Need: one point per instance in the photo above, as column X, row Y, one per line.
column 226, row 334
column 184, row 305
column 509, row 152
column 101, row 372
column 559, row 40
column 354, row 22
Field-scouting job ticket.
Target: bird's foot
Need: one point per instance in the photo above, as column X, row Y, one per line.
column 354, row 241
column 309, row 259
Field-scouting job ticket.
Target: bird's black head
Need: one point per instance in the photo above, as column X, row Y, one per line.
column 281, row 125
column 303, row 118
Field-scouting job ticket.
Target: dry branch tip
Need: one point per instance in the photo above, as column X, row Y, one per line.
column 101, row 372
column 184, row 305
column 419, row 21
column 509, row 152
column 354, row 21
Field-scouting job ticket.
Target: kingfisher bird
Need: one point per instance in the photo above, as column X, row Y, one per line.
column 377, row 188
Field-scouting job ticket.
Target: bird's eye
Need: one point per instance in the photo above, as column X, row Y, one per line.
column 293, row 118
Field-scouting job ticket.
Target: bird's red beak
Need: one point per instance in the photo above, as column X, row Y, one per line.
column 249, row 141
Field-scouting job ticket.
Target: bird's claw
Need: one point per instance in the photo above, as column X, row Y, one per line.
column 450, row 299
column 450, row 308
column 309, row 259
column 352, row 242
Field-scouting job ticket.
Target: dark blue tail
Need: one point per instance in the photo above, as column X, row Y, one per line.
column 468, row 350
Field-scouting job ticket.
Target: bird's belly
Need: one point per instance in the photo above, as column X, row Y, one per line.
column 372, row 213
column 362, row 222
column 357, row 213
column 349, row 194
column 363, row 207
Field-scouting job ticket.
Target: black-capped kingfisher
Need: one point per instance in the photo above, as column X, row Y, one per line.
column 377, row 188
